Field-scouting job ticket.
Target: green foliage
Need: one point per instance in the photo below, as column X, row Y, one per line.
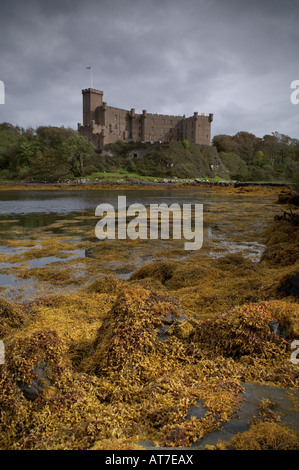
column 238, row 170
column 173, row 160
column 78, row 152
column 49, row 154
column 271, row 158
column 56, row 153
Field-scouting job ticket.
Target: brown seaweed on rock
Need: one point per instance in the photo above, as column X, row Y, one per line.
column 119, row 362
column 159, row 270
column 129, row 331
column 36, row 362
column 11, row 316
column 245, row 330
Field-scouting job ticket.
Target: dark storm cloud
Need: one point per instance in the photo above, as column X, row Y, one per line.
column 233, row 58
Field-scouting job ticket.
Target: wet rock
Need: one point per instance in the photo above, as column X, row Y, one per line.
column 42, row 371
column 290, row 286
column 197, row 410
column 167, row 324
column 286, row 405
column 275, row 327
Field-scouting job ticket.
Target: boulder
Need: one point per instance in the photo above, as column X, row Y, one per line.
column 168, row 322
column 42, row 372
column 290, row 286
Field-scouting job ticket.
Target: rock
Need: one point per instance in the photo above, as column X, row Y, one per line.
column 286, row 406
column 290, row 286
column 285, row 403
column 167, row 324
column 197, row 410
column 42, row 370
column 275, row 327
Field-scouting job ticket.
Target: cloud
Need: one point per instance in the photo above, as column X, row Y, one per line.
column 235, row 59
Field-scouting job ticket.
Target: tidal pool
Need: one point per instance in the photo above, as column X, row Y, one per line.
column 48, row 241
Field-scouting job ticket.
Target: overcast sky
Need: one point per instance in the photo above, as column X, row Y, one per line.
column 233, row 58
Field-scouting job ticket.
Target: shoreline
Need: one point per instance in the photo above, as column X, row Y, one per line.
column 138, row 184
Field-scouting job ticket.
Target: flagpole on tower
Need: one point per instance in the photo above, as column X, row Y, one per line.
column 91, row 80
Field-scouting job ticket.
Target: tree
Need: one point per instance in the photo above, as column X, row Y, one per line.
column 78, row 152
column 27, row 151
column 53, row 137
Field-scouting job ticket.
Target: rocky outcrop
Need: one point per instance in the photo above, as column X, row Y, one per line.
column 258, row 404
column 290, row 285
column 42, row 374
column 137, row 323
column 35, row 362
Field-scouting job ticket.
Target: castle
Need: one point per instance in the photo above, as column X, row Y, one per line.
column 104, row 124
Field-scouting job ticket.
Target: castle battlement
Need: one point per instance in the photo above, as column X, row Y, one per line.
column 105, row 124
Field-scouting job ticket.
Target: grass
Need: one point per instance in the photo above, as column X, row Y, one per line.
column 123, row 174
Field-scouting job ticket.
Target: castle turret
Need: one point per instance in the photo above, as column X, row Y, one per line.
column 92, row 99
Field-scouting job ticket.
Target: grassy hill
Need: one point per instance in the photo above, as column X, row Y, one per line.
column 174, row 159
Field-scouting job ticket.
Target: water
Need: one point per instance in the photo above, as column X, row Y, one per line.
column 62, row 223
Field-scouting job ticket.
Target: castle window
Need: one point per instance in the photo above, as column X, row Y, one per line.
column 115, row 117
column 152, row 129
column 115, row 126
column 163, row 130
column 170, row 121
column 163, row 121
column 152, row 138
column 153, row 120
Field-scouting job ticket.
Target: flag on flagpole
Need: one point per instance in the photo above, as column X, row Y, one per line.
column 91, row 81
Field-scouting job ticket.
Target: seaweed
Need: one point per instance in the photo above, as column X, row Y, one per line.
column 119, row 362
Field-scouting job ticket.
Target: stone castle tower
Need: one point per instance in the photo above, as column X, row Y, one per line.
column 104, row 124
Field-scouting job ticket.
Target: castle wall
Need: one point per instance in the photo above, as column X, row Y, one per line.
column 160, row 127
column 116, row 124
column 106, row 124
